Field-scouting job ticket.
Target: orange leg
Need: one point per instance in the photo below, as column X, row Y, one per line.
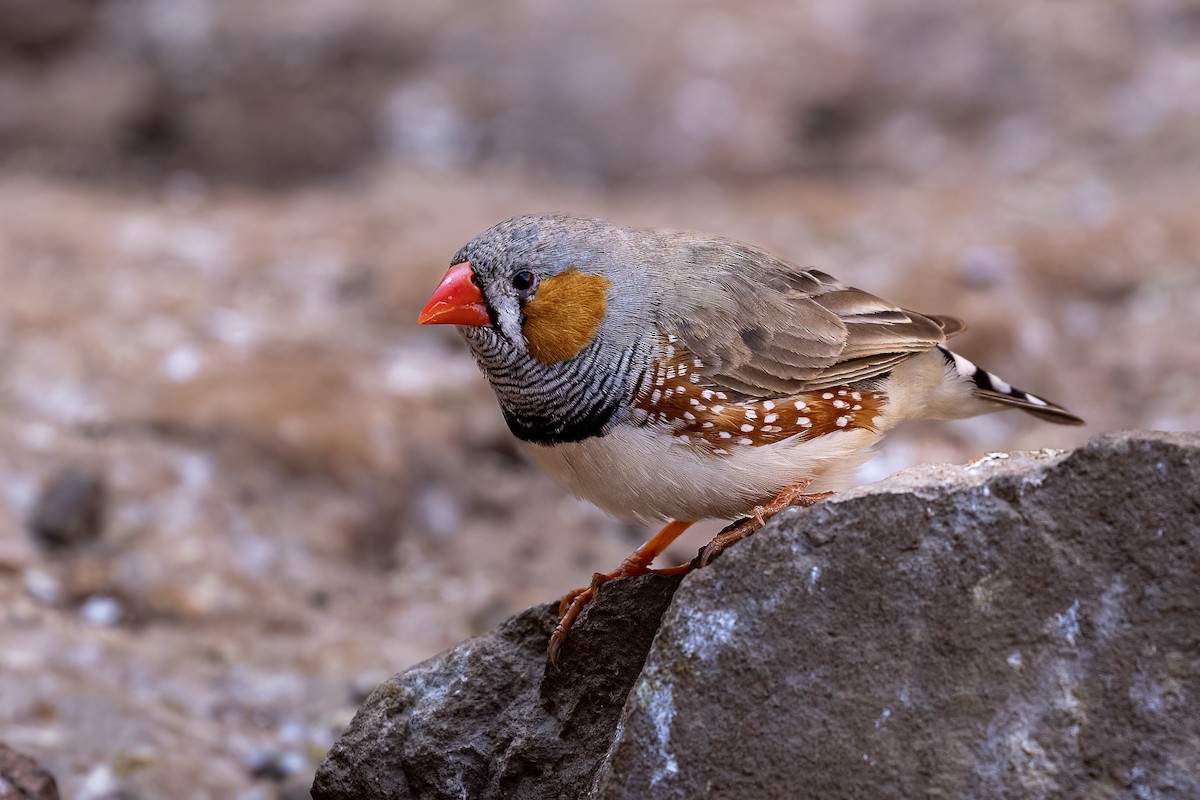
column 637, row 563
column 788, row 496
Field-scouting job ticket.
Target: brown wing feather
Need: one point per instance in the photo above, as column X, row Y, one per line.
column 764, row 327
column 951, row 326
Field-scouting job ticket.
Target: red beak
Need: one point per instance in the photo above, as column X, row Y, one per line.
column 456, row 301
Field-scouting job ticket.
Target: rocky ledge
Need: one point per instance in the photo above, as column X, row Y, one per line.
column 22, row 778
column 1023, row 626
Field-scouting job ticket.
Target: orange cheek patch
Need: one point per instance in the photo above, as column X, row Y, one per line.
column 676, row 394
column 564, row 315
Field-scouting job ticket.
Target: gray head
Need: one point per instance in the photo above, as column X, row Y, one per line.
column 554, row 309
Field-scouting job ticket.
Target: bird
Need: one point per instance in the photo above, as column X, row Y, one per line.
column 678, row 376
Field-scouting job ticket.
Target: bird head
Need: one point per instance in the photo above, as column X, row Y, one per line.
column 543, row 285
column 550, row 307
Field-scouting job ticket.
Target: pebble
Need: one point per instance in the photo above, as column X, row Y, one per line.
column 274, row 765
column 43, row 587
column 101, row 611
column 70, row 509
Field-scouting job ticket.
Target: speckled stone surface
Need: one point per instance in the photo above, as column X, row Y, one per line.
column 22, row 778
column 490, row 717
column 1023, row 626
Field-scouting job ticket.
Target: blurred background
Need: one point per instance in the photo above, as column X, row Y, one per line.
column 239, row 486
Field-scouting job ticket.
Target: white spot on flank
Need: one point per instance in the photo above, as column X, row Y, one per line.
column 721, row 451
column 654, row 398
column 842, row 421
column 828, row 395
column 840, row 404
column 751, row 413
column 707, row 394
column 725, row 434
column 770, row 418
column 768, row 405
column 689, row 415
column 800, row 405
column 700, row 407
column 856, row 395
column 670, row 351
column 707, row 425
column 842, row 392
column 745, row 440
column 683, row 369
column 681, row 389
column 693, row 401
column 672, row 339
column 722, row 396
column 683, row 437
column 804, row 422
column 670, row 373
column 694, row 378
column 747, row 428
column 718, row 409
column 771, row 429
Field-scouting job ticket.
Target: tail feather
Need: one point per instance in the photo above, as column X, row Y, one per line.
column 991, row 387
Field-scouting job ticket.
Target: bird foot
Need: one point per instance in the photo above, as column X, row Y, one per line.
column 788, row 496
column 574, row 601
column 637, row 563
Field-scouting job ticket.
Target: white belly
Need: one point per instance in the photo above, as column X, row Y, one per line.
column 640, row 473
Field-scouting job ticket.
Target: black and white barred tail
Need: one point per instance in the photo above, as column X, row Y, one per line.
column 991, row 387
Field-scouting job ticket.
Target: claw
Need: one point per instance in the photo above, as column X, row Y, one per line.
column 727, row 537
column 638, row 563
column 788, row 496
column 574, row 603
column 569, row 598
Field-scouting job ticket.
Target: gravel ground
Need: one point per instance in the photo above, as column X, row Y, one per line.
column 239, row 486
column 304, row 492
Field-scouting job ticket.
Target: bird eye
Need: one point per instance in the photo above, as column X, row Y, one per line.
column 522, row 280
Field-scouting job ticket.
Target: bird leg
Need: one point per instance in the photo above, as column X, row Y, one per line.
column 788, row 496
column 637, row 563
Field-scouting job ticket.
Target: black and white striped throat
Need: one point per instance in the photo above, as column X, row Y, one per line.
column 546, row 404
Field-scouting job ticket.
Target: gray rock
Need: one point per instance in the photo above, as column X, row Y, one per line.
column 1025, row 626
column 489, row 718
column 22, row 779
column 70, row 510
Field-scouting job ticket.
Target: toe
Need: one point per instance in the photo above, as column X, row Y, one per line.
column 556, row 642
column 568, row 598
